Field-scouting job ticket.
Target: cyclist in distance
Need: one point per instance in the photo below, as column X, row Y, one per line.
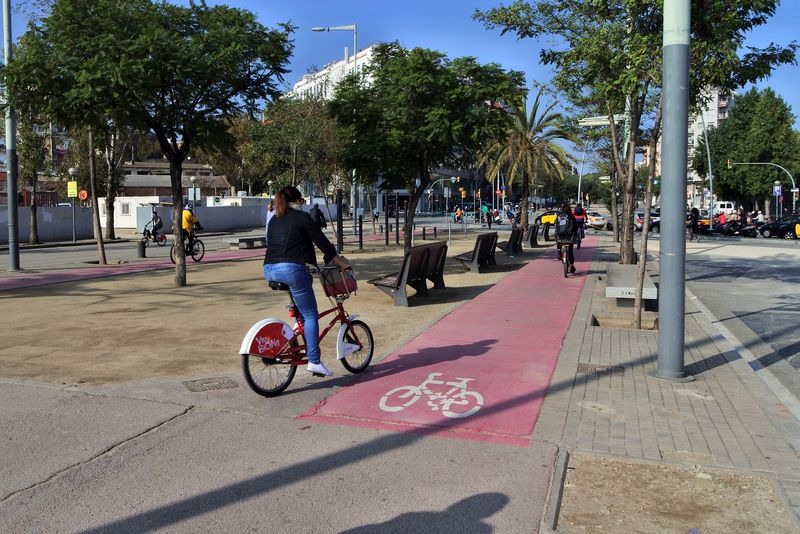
column 188, row 221
column 157, row 224
column 566, row 233
column 292, row 235
column 580, row 218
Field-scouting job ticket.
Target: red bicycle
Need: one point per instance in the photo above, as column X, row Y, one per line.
column 271, row 350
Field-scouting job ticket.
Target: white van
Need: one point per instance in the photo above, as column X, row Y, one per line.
column 724, row 206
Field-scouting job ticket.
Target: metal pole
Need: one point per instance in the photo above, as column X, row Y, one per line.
column 11, row 153
column 339, row 223
column 73, row 221
column 580, row 173
column 671, row 294
column 710, row 176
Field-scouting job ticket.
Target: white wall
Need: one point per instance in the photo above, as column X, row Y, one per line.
column 53, row 222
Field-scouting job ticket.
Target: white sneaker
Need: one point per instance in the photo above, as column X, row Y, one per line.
column 318, row 368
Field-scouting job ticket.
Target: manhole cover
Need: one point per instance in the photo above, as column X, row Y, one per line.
column 599, row 369
column 208, row 384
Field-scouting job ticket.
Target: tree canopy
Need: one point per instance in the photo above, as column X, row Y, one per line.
column 417, row 110
column 180, row 72
column 759, row 129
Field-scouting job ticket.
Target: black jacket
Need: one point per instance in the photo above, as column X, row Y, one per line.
column 318, row 217
column 291, row 239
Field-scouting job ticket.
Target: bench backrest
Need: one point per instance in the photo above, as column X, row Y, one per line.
column 437, row 257
column 485, row 244
column 516, row 236
column 416, row 263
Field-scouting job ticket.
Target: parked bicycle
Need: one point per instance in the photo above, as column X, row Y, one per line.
column 192, row 247
column 159, row 238
column 272, row 349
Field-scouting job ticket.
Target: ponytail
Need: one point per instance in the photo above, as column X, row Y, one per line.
column 286, row 196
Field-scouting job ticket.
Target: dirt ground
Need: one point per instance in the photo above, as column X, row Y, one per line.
column 603, row 494
column 139, row 326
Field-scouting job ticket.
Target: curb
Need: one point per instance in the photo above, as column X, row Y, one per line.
column 556, row 492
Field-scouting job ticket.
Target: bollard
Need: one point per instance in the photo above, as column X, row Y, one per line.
column 141, row 248
column 423, row 233
column 434, row 232
column 380, row 228
column 360, row 232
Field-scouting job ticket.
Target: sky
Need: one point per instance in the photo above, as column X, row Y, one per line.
column 447, row 26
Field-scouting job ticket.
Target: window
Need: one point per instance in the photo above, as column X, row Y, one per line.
column 126, row 208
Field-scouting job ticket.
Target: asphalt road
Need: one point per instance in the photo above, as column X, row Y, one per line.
column 751, row 286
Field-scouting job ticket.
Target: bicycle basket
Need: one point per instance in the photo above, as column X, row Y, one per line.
column 336, row 282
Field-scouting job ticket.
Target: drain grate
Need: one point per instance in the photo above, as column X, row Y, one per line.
column 600, row 369
column 208, row 384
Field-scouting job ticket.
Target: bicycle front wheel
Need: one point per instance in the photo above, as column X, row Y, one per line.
column 198, row 250
column 358, row 333
column 268, row 376
column 173, row 253
column 146, row 241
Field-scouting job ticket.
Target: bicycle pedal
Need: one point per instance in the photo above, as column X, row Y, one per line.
column 320, row 375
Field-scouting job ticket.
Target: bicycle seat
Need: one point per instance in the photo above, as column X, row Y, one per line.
column 278, row 286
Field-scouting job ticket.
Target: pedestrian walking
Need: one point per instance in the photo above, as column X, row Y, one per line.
column 318, row 217
column 694, row 224
column 270, row 215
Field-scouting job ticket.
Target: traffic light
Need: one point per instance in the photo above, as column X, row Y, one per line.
column 479, row 193
column 458, row 178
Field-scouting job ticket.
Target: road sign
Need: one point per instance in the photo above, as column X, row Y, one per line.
column 72, row 189
column 502, row 187
column 776, row 190
column 499, row 192
column 83, row 195
column 447, row 192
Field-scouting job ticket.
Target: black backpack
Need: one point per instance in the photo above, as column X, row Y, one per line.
column 565, row 226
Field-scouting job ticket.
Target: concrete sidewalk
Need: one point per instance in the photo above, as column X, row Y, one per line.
column 719, row 454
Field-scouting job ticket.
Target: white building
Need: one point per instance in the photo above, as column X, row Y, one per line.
column 323, row 83
column 712, row 114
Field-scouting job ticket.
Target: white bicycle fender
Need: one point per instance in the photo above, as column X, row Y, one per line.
column 344, row 349
column 267, row 338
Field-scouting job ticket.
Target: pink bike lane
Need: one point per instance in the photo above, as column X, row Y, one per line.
column 481, row 372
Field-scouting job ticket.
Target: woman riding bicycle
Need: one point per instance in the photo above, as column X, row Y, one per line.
column 291, row 236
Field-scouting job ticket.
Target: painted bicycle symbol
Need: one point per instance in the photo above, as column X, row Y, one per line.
column 454, row 402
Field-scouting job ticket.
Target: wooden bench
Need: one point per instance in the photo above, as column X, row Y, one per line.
column 514, row 243
column 482, row 253
column 621, row 285
column 436, row 261
column 248, row 242
column 413, row 273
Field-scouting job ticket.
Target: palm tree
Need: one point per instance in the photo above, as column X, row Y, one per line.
column 528, row 147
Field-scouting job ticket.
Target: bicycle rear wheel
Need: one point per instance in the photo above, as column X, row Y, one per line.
column 268, row 376
column 358, row 333
column 198, row 250
column 161, row 240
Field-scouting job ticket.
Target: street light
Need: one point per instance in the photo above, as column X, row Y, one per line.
column 354, row 29
column 73, row 172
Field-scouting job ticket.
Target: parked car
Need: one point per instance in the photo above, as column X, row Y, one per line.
column 596, row 220
column 548, row 217
column 778, row 228
column 638, row 219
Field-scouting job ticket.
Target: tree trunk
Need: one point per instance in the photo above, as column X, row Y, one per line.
column 175, row 172
column 526, row 192
column 614, row 209
column 648, row 201
column 626, row 253
column 33, row 236
column 110, row 234
column 768, row 209
column 98, row 232
column 411, row 207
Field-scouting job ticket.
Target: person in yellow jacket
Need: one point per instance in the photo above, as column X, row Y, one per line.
column 188, row 220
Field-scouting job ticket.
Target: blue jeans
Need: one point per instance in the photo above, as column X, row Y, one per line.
column 299, row 281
